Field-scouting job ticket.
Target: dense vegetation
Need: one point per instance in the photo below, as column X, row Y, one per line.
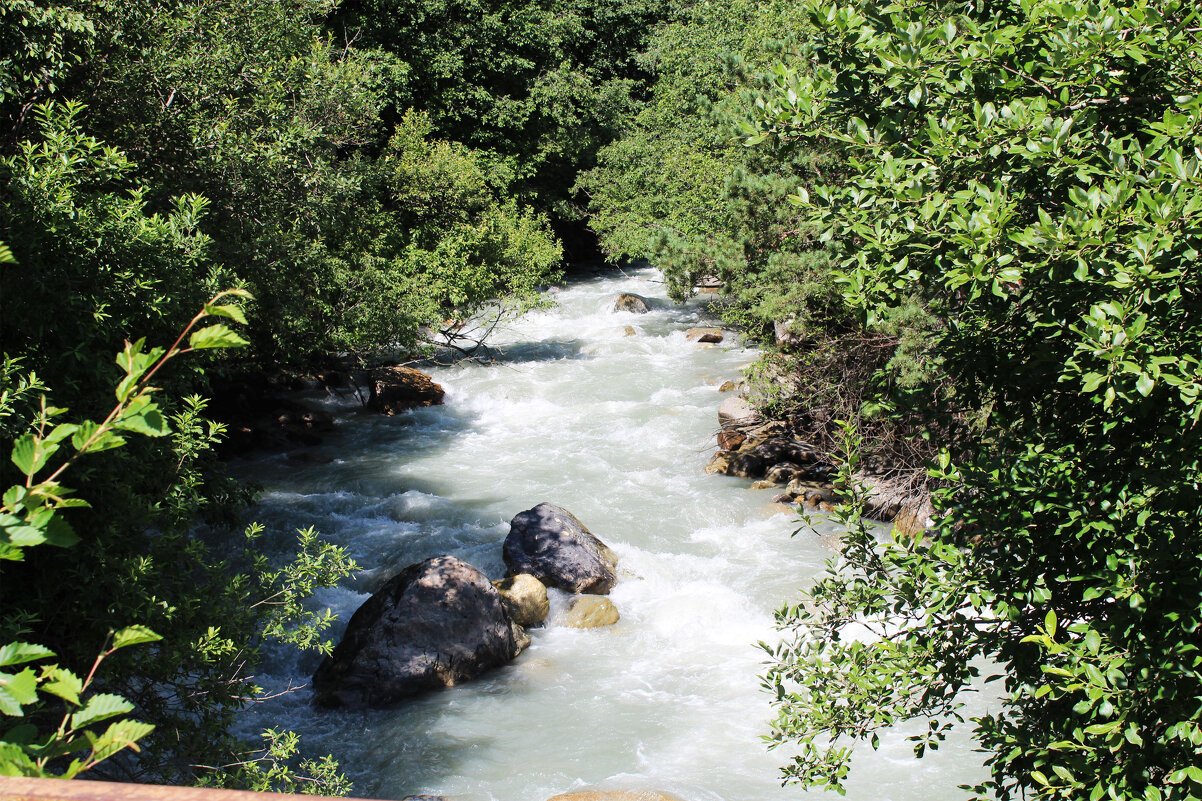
column 1004, row 200
column 360, row 171
column 968, row 233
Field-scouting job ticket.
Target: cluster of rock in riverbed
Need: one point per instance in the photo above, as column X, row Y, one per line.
column 265, row 415
column 766, row 453
column 763, row 452
column 441, row 622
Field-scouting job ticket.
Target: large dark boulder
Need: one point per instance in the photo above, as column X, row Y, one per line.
column 397, row 389
column 436, row 624
column 550, row 544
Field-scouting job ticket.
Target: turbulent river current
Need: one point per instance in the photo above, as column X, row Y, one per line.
column 617, row 428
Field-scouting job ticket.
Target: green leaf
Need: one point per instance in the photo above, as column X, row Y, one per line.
column 22, row 734
column 100, row 707
column 133, row 635
column 117, row 737
column 15, row 762
column 61, row 432
column 61, row 746
column 17, row 691
column 59, row 533
column 14, row 495
column 16, row 653
column 232, row 312
column 215, row 336
column 150, row 422
column 29, row 454
column 90, row 438
column 65, row 684
column 25, row 536
column 1090, row 381
column 106, row 441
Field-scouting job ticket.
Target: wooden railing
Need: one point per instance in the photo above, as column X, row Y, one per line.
column 78, row 790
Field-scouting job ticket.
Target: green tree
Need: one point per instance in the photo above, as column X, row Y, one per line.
column 1030, row 171
column 537, row 86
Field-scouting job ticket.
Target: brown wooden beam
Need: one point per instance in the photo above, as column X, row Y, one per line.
column 21, row 789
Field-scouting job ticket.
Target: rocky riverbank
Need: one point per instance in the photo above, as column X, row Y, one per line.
column 771, row 456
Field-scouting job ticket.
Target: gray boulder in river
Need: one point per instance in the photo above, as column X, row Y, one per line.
column 435, row 624
column 630, row 302
column 550, row 544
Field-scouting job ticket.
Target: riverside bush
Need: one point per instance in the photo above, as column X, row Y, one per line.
column 1030, row 171
column 34, row 513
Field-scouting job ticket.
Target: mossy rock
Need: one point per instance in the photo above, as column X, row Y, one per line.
column 592, row 612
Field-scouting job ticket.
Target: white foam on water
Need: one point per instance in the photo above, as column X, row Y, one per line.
column 616, row 429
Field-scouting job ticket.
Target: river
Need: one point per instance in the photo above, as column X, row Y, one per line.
column 616, row 428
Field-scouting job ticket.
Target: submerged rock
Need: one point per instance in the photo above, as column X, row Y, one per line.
column 615, row 795
column 525, row 599
column 711, row 335
column 397, row 389
column 728, row 386
column 550, row 544
column 591, row 612
column 629, row 331
column 436, row 624
column 629, row 302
